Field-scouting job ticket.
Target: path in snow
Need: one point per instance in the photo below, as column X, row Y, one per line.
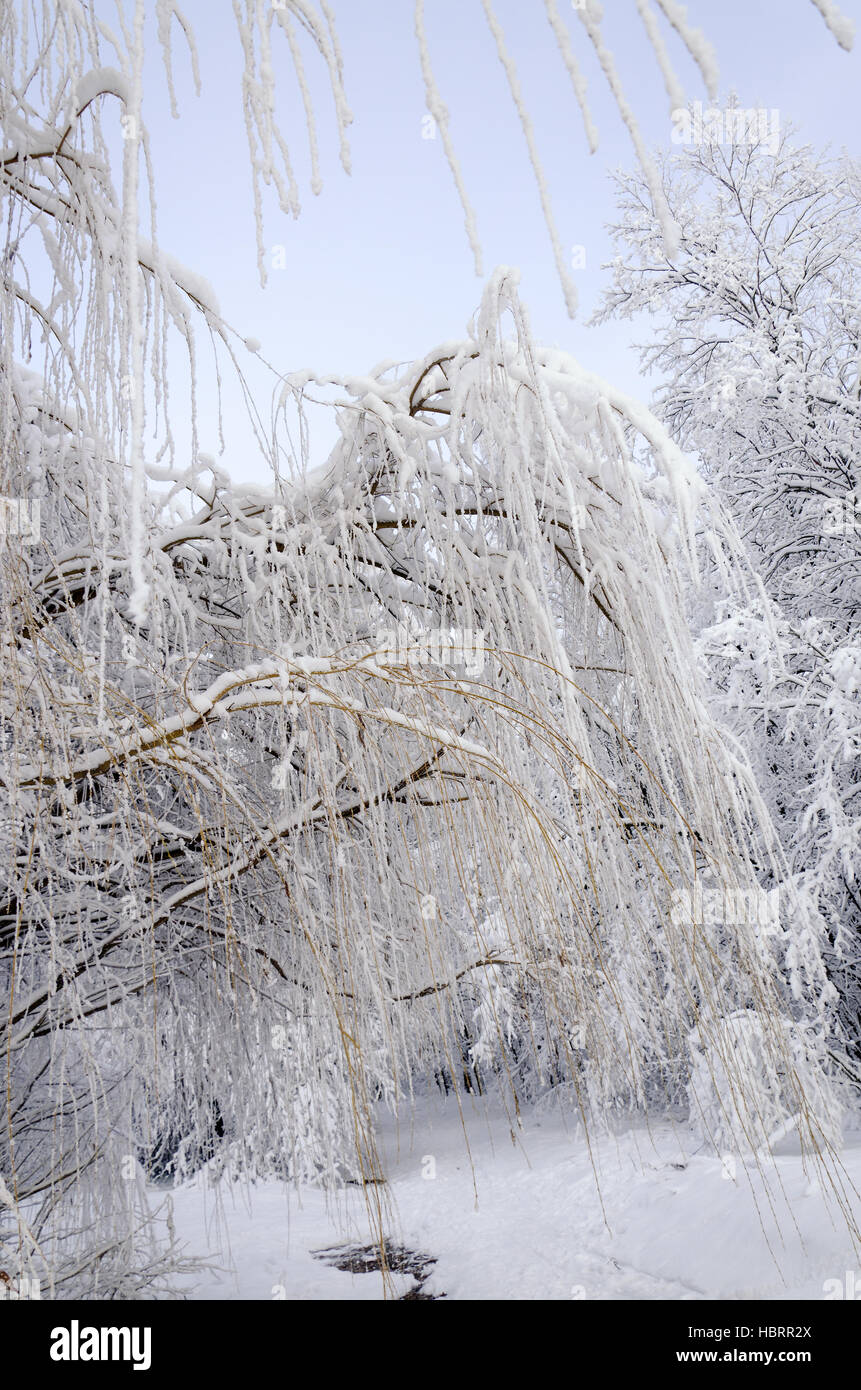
column 521, row 1217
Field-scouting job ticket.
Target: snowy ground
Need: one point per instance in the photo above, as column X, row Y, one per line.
column 525, row 1220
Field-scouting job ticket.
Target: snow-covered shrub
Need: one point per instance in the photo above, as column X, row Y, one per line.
column 744, row 1100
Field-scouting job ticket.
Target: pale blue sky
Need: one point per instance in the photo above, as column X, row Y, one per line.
column 378, row 266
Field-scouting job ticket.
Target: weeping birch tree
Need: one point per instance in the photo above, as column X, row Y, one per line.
column 393, row 774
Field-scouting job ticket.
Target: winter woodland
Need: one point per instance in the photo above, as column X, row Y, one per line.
column 502, row 753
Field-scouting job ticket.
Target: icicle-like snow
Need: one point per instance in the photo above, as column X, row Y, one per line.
column 438, row 110
column 166, row 12
column 310, row 123
column 674, row 88
column 568, row 287
column 668, row 226
column 840, row 25
column 702, row 52
column 578, row 82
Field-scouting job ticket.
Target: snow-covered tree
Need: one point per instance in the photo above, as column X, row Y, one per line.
column 757, row 351
column 312, row 793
